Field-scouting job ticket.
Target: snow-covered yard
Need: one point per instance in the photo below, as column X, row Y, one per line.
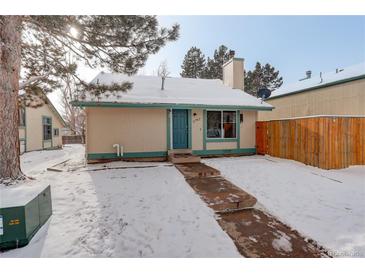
column 326, row 205
column 153, row 212
column 133, row 212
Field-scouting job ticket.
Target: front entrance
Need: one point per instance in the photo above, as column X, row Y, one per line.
column 180, row 128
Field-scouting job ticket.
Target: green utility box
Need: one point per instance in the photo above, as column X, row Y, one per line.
column 21, row 218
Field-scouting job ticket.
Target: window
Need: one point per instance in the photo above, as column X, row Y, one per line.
column 22, row 117
column 56, row 132
column 47, row 128
column 221, row 124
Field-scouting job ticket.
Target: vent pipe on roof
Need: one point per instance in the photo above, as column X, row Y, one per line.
column 162, row 83
column 320, row 76
column 308, row 75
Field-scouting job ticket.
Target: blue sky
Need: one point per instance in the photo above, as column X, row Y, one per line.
column 293, row 44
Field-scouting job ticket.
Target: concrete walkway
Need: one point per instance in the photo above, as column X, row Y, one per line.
column 254, row 232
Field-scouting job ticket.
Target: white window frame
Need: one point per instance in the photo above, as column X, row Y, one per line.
column 221, row 138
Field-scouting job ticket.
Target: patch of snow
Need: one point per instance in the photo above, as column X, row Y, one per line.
column 325, row 205
column 36, row 162
column 253, row 239
column 282, row 243
column 20, row 194
column 147, row 90
column 144, row 212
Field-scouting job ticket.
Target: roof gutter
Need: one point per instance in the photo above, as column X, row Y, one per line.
column 167, row 106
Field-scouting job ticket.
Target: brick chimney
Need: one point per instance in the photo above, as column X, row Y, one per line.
column 233, row 73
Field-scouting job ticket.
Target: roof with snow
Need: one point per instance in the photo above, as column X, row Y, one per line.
column 43, row 99
column 346, row 74
column 186, row 92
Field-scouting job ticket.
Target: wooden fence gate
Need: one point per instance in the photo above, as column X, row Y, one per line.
column 328, row 142
column 261, row 138
column 74, row 139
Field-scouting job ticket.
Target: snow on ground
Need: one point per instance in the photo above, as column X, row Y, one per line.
column 326, row 205
column 133, row 212
column 36, row 162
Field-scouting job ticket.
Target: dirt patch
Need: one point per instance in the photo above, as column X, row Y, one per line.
column 257, row 234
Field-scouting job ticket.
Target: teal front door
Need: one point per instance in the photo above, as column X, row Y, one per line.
column 180, row 128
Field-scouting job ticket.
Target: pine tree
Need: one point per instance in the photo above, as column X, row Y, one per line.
column 37, row 45
column 214, row 68
column 193, row 64
column 262, row 76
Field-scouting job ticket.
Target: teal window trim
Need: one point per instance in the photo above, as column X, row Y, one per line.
column 217, row 139
column 206, row 140
column 48, row 140
column 204, row 129
column 238, row 125
column 221, row 140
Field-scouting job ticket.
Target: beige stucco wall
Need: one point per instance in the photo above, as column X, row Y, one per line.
column 34, row 131
column 248, row 129
column 136, row 129
column 144, row 130
column 197, row 129
column 222, row 145
column 343, row 99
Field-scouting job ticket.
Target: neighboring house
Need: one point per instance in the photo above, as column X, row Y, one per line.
column 341, row 92
column 40, row 128
column 207, row 116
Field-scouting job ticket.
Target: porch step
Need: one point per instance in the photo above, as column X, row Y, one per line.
column 181, row 158
column 197, row 170
column 220, row 194
column 179, row 151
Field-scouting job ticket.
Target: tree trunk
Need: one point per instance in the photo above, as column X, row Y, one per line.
column 10, row 56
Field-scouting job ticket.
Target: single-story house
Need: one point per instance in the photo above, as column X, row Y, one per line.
column 40, row 127
column 340, row 92
column 208, row 117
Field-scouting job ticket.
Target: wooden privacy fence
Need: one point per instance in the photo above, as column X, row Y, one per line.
column 75, row 139
column 328, row 142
